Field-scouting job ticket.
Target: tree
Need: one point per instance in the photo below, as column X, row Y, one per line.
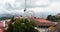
column 22, row 25
column 9, row 28
column 12, row 19
column 49, row 17
column 4, row 18
column 52, row 18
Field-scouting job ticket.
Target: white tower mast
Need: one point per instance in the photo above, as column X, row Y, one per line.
column 25, row 6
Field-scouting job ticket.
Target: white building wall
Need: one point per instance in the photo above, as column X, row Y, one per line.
column 3, row 23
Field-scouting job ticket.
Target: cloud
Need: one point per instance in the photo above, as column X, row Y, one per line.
column 38, row 3
column 42, row 2
column 40, row 7
column 54, row 0
column 52, row 9
column 15, row 6
column 9, row 5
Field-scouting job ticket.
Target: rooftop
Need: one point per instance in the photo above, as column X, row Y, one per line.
column 44, row 22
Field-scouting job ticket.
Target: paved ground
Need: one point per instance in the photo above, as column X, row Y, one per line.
column 43, row 29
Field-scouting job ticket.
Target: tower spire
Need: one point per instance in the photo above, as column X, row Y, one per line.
column 25, row 6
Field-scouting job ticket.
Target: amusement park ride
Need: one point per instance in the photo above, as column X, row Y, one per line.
column 28, row 13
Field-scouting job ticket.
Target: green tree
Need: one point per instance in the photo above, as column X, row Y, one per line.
column 12, row 19
column 9, row 28
column 49, row 17
column 4, row 18
column 52, row 18
column 22, row 25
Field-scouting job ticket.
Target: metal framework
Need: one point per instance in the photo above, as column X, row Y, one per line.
column 25, row 5
column 28, row 12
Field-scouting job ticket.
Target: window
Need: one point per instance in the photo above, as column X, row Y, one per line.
column 43, row 26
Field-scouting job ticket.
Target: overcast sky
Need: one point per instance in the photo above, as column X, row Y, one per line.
column 40, row 8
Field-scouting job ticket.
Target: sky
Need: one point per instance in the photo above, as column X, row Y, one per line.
column 38, row 8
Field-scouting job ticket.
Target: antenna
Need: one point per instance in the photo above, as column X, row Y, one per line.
column 25, row 6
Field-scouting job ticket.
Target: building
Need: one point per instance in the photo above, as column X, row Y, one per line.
column 4, row 24
column 58, row 15
column 42, row 23
column 58, row 25
column 1, row 26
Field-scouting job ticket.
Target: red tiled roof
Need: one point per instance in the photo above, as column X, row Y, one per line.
column 1, row 24
column 42, row 20
column 1, row 30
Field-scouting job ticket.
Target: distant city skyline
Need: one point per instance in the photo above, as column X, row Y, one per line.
column 41, row 8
